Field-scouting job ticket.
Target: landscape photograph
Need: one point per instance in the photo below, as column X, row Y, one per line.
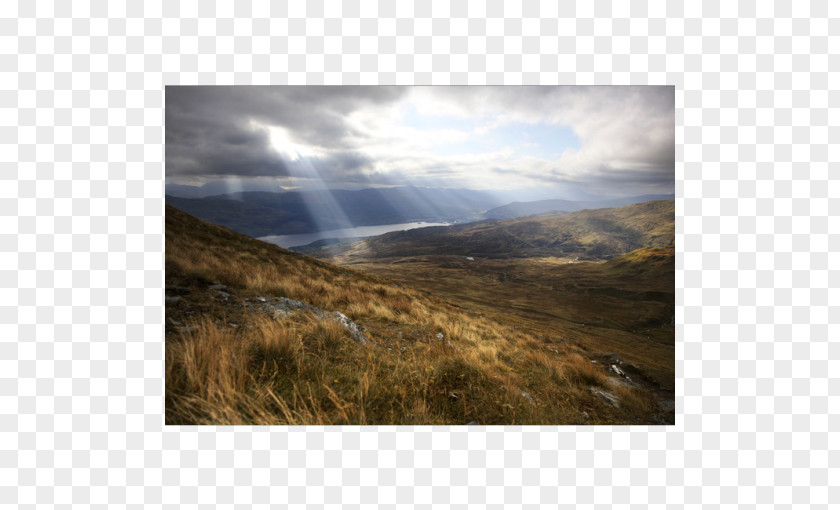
column 436, row 255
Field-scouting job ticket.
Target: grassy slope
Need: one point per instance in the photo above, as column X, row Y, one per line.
column 624, row 306
column 591, row 234
column 237, row 365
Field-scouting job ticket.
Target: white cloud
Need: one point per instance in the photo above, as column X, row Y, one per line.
column 389, row 135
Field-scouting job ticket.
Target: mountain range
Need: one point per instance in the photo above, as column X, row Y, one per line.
column 517, row 209
column 262, row 213
column 590, row 234
column 300, row 212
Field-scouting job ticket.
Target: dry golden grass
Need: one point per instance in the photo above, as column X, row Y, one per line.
column 583, row 372
column 302, row 370
column 290, row 276
column 624, row 306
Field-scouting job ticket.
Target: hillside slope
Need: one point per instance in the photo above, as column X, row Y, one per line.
column 258, row 334
column 588, row 234
column 517, row 209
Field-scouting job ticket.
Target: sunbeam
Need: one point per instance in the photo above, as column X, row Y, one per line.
column 282, row 143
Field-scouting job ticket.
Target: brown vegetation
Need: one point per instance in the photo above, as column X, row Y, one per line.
column 229, row 363
column 623, row 306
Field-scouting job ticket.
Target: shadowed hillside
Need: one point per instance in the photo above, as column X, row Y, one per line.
column 258, row 334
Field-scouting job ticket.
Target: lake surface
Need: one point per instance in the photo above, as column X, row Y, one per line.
column 288, row 241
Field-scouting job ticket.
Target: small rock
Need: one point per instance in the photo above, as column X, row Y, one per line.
column 218, row 286
column 439, row 336
column 620, row 383
column 617, row 370
column 295, row 305
column 473, row 423
column 279, row 313
column 529, row 398
column 282, row 307
column 234, row 326
column 350, row 326
column 171, row 300
column 606, row 396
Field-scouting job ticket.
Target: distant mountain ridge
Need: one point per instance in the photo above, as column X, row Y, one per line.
column 595, row 234
column 220, row 187
column 264, row 213
column 258, row 213
column 518, row 209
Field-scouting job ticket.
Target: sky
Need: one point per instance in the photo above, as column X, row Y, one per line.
column 566, row 141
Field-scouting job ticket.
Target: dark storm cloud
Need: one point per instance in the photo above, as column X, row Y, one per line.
column 217, row 131
column 340, row 166
column 362, row 135
column 214, row 150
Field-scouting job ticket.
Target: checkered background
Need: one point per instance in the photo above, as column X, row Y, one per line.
column 81, row 254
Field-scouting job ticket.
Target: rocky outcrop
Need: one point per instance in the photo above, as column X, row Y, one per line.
column 354, row 329
column 605, row 395
column 615, row 366
column 282, row 307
